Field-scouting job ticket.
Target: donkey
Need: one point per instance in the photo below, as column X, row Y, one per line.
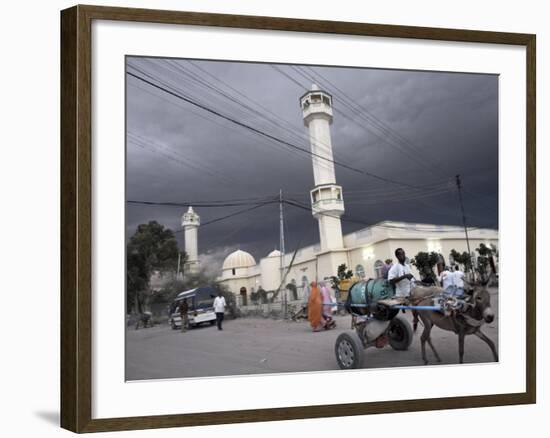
column 464, row 323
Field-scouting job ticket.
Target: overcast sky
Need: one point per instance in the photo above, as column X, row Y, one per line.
column 414, row 128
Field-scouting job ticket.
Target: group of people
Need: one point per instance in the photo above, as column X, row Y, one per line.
column 319, row 307
column 401, row 277
column 452, row 281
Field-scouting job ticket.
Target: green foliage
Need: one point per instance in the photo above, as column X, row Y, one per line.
column 343, row 273
column 254, row 297
column 464, row 259
column 425, row 262
column 484, row 259
column 484, row 250
column 169, row 292
column 152, row 248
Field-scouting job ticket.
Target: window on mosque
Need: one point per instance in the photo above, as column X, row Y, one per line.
column 360, row 271
column 316, row 98
column 233, row 271
column 326, row 100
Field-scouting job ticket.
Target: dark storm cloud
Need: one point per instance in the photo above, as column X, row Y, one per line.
column 442, row 124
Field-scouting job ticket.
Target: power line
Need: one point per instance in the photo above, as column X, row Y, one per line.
column 349, row 219
column 246, row 210
column 390, row 136
column 277, row 121
column 267, row 135
column 237, row 203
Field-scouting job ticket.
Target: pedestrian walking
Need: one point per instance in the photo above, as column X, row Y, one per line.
column 219, row 308
column 184, row 314
column 315, row 308
column 327, row 303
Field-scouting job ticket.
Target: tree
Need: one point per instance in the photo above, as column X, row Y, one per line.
column 342, row 273
column 424, row 262
column 152, row 248
column 464, row 259
column 484, row 260
column 262, row 295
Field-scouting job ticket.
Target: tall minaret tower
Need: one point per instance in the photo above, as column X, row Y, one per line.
column 190, row 222
column 327, row 203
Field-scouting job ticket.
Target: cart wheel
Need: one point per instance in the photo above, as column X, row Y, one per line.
column 400, row 334
column 349, row 351
column 173, row 324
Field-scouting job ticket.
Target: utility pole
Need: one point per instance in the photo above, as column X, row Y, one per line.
column 179, row 262
column 459, row 188
column 282, row 247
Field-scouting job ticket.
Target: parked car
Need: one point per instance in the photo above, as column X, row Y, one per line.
column 201, row 307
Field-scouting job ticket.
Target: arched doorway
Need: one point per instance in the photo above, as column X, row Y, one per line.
column 244, row 298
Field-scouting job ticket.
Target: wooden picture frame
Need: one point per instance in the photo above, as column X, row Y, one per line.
column 76, row 217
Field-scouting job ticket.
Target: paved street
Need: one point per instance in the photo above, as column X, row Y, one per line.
column 256, row 345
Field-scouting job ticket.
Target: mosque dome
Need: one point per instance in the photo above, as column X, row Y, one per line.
column 274, row 253
column 238, row 259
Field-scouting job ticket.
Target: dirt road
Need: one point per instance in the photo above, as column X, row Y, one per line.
column 255, row 346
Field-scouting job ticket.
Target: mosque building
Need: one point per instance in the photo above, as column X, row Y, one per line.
column 362, row 251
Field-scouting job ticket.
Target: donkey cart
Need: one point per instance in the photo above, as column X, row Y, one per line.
column 375, row 321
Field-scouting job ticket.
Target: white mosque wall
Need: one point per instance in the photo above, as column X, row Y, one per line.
column 327, row 263
column 240, row 272
column 367, row 248
column 302, row 273
column 270, row 269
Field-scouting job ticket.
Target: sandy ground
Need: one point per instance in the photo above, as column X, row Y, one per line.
column 256, row 346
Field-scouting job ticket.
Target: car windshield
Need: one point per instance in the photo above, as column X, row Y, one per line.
column 204, row 298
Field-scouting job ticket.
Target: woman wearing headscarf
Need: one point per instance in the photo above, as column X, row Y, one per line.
column 327, row 302
column 315, row 308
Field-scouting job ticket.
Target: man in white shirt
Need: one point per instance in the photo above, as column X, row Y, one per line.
column 219, row 308
column 400, row 275
column 458, row 277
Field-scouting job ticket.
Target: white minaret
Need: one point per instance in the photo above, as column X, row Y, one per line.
column 327, row 203
column 190, row 222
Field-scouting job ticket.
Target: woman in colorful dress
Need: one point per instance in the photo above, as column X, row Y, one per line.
column 315, row 308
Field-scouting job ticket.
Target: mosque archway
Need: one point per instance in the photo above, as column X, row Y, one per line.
column 244, row 298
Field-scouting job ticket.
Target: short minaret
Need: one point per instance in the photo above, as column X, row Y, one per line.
column 190, row 222
column 327, row 203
